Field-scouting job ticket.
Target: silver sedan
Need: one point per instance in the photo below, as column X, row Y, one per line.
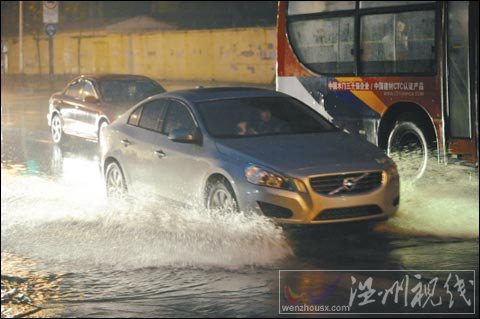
column 247, row 149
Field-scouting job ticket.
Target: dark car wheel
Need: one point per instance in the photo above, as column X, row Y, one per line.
column 115, row 182
column 220, row 196
column 57, row 129
column 408, row 146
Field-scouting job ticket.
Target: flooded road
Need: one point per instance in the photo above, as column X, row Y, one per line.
column 154, row 258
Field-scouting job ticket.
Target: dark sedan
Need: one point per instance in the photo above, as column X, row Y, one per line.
column 90, row 102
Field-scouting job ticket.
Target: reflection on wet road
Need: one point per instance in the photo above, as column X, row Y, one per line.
column 155, row 258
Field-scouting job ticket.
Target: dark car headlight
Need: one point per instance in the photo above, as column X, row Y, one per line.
column 261, row 176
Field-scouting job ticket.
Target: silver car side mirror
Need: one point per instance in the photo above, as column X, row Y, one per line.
column 181, row 135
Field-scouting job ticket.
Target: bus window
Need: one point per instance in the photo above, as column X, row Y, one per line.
column 302, row 7
column 324, row 45
column 458, row 70
column 398, row 43
column 376, row 4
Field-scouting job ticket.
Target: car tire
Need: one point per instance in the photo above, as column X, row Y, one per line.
column 56, row 129
column 408, row 146
column 220, row 196
column 115, row 184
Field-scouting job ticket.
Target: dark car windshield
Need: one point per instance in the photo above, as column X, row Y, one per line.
column 128, row 91
column 260, row 116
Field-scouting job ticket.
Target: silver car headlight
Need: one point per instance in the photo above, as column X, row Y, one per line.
column 260, row 176
column 391, row 170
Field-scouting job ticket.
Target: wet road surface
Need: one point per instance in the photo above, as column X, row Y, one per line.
column 154, row 258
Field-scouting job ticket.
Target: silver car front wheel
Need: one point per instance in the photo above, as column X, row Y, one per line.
column 115, row 182
column 221, row 197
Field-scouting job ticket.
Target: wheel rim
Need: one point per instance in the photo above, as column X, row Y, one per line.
column 221, row 199
column 409, row 150
column 56, row 129
column 115, row 183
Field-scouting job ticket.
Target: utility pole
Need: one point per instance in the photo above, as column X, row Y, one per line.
column 20, row 37
column 50, row 19
column 50, row 57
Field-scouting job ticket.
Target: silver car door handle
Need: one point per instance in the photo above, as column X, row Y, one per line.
column 160, row 154
column 126, row 142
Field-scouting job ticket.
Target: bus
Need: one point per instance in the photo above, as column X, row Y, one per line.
column 401, row 74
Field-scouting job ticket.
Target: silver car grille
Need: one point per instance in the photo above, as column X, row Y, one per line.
column 346, row 184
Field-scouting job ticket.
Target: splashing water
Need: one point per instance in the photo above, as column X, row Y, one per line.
column 69, row 221
column 74, row 224
column 444, row 203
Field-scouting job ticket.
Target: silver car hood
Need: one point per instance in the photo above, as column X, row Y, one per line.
column 305, row 154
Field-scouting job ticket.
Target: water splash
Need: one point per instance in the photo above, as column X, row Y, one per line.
column 443, row 203
column 73, row 223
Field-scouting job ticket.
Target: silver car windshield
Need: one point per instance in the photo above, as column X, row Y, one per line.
column 260, row 116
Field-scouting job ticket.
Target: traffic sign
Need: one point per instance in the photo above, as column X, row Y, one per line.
column 50, row 11
column 50, row 29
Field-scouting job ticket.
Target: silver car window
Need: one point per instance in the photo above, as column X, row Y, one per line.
column 177, row 117
column 134, row 117
column 152, row 114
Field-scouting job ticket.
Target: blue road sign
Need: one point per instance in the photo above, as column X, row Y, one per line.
column 50, row 29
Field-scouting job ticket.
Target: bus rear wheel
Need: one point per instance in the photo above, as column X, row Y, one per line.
column 408, row 146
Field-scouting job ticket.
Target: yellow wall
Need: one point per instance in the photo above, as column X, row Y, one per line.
column 233, row 55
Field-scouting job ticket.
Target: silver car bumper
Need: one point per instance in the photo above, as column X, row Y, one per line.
column 314, row 208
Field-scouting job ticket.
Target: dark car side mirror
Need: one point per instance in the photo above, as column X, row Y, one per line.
column 181, row 135
column 90, row 99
